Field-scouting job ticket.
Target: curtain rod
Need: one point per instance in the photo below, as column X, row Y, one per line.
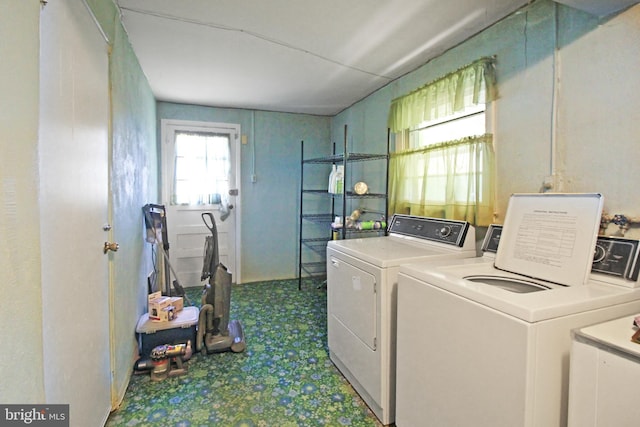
column 484, row 59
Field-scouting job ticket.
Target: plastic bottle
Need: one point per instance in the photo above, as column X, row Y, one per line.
column 339, row 177
column 332, row 180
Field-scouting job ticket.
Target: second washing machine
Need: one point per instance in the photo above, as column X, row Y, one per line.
column 484, row 342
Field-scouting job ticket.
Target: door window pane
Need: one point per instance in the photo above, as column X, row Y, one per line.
column 202, row 167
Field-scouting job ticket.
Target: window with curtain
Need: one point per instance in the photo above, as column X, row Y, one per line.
column 202, row 165
column 444, row 164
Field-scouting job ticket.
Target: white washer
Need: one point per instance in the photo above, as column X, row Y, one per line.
column 480, row 344
column 605, row 373
column 361, row 301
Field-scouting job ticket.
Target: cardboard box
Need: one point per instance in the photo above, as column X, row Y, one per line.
column 177, row 303
column 157, row 305
column 167, row 314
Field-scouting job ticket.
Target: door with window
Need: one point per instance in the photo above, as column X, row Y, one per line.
column 200, row 162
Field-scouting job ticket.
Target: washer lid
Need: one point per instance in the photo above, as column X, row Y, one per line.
column 550, row 236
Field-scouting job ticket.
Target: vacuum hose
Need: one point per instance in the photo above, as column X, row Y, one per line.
column 205, row 323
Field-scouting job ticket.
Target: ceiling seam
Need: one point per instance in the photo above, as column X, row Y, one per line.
column 254, row 35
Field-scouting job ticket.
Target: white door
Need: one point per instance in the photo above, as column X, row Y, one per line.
column 73, row 150
column 186, row 230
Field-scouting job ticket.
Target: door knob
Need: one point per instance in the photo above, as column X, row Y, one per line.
column 109, row 246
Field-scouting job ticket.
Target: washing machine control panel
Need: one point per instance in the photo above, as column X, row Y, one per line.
column 435, row 229
column 492, row 238
column 617, row 257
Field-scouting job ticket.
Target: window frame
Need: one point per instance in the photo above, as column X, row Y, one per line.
column 403, row 139
column 447, row 120
column 168, row 129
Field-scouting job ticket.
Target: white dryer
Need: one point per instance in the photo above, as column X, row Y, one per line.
column 361, row 298
column 486, row 342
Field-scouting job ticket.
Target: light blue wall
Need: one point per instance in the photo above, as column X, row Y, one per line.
column 564, row 79
column 133, row 180
column 522, row 44
column 134, row 183
column 366, row 132
column 527, row 122
column 269, row 245
column 599, row 110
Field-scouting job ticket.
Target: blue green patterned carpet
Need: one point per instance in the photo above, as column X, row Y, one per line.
column 284, row 378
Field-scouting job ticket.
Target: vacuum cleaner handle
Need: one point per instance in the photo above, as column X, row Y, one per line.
column 211, row 227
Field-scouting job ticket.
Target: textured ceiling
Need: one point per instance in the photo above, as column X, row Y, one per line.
column 303, row 56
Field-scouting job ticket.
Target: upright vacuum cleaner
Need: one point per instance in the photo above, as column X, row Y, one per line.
column 215, row 332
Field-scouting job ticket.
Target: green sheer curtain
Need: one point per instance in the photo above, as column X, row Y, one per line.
column 471, row 85
column 453, row 180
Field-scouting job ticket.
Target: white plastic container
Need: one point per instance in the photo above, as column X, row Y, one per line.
column 332, row 180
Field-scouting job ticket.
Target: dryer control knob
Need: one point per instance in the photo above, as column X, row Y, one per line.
column 445, row 231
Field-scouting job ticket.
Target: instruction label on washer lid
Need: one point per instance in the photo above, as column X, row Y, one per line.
column 550, row 236
column 546, row 237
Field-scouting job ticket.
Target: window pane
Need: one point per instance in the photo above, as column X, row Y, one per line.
column 202, row 167
column 469, row 122
column 444, row 176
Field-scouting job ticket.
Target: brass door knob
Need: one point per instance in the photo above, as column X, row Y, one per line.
column 109, row 246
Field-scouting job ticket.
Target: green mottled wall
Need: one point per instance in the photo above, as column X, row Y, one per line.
column 133, row 180
column 269, row 243
column 565, row 106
